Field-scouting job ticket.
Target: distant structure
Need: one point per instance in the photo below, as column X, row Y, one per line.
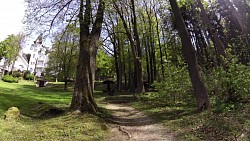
column 21, row 64
column 39, row 58
column 36, row 63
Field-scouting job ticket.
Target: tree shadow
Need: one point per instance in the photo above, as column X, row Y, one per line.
column 129, row 118
column 172, row 112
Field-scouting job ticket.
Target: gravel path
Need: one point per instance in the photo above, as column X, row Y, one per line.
column 131, row 124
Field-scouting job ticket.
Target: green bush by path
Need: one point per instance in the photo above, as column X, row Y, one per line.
column 10, row 79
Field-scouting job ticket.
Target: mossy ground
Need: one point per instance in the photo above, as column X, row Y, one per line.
column 44, row 115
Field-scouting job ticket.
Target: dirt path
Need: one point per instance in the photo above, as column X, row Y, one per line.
column 131, row 124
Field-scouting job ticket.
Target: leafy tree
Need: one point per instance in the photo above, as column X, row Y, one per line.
column 10, row 48
column 49, row 14
column 63, row 55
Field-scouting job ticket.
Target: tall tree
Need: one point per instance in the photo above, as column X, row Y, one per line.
column 49, row 14
column 135, row 45
column 218, row 44
column 11, row 47
column 63, row 55
column 200, row 90
column 84, row 84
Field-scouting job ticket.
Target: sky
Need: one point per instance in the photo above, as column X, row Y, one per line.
column 11, row 16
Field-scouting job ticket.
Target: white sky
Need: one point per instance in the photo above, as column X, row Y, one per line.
column 11, row 15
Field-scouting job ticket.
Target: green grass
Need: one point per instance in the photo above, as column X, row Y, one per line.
column 221, row 122
column 38, row 121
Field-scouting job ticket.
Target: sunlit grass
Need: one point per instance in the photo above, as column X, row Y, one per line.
column 38, row 121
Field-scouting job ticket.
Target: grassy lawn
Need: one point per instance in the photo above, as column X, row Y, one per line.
column 222, row 122
column 44, row 115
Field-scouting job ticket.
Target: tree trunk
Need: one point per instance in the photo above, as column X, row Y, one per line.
column 136, row 50
column 119, row 76
column 84, row 85
column 159, row 42
column 148, row 60
column 139, row 73
column 214, row 34
column 200, row 90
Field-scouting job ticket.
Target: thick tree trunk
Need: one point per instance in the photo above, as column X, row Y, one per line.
column 84, row 85
column 200, row 90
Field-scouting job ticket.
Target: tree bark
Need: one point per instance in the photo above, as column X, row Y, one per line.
column 139, row 73
column 200, row 90
column 82, row 99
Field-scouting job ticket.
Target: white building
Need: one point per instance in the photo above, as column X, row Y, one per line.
column 38, row 58
column 20, row 64
column 37, row 63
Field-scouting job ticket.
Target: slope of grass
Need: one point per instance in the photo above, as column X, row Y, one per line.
column 222, row 122
column 44, row 115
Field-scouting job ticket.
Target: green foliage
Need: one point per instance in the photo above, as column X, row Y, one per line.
column 176, row 85
column 10, row 79
column 10, row 47
column 230, row 84
column 63, row 56
column 28, row 76
column 16, row 74
column 104, row 63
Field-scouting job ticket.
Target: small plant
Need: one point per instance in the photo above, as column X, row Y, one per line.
column 229, row 85
column 10, row 79
column 16, row 74
column 28, row 76
column 176, row 86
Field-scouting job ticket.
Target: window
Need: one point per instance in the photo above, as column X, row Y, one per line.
column 34, row 55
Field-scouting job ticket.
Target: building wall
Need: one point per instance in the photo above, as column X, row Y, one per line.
column 38, row 58
column 20, row 64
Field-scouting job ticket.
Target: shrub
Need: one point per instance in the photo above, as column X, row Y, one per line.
column 16, row 74
column 176, row 86
column 10, row 78
column 28, row 76
column 230, row 84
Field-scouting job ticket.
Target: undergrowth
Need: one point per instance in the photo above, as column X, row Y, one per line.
column 175, row 106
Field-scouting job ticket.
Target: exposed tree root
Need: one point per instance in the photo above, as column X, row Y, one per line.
column 125, row 132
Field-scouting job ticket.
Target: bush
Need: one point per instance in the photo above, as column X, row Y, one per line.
column 176, row 86
column 16, row 74
column 10, row 78
column 230, row 84
column 28, row 76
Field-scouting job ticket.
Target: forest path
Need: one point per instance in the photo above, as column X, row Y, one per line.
column 127, row 123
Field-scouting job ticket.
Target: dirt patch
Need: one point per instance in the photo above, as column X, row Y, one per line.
column 128, row 123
